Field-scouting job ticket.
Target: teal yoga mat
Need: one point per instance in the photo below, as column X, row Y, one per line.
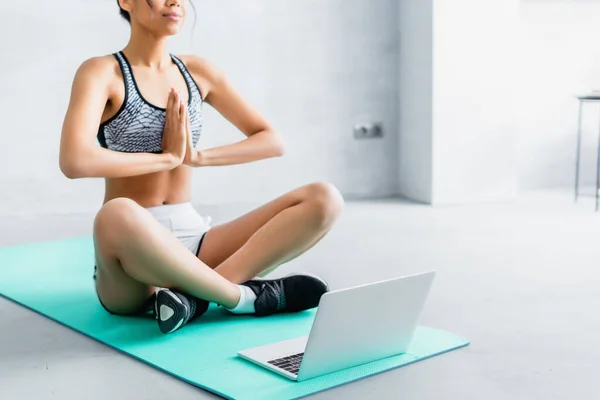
column 55, row 280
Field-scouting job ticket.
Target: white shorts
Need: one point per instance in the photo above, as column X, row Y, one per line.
column 184, row 222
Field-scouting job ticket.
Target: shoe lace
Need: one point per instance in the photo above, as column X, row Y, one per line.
column 278, row 291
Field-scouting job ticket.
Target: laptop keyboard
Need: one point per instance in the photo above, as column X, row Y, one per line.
column 290, row 363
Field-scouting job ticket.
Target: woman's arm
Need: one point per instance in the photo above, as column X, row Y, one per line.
column 79, row 155
column 262, row 140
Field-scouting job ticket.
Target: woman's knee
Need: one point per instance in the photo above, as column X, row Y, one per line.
column 116, row 219
column 326, row 200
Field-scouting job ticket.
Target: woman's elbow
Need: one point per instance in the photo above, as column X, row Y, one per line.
column 279, row 147
column 279, row 150
column 70, row 172
column 70, row 168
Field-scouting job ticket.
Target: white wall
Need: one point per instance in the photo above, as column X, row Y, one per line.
column 314, row 68
column 504, row 116
column 457, row 140
column 560, row 56
column 415, row 146
column 474, row 86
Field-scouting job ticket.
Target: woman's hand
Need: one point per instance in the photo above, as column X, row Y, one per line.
column 174, row 139
column 192, row 156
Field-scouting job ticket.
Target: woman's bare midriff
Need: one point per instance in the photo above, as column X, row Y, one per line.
column 167, row 187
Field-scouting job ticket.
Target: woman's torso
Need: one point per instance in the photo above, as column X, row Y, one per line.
column 133, row 121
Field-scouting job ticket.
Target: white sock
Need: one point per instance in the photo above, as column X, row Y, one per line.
column 246, row 303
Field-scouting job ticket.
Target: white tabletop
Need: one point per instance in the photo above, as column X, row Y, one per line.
column 589, row 96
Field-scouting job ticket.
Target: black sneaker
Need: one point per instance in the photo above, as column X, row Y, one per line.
column 173, row 309
column 288, row 294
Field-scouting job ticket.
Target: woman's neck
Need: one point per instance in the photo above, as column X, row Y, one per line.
column 147, row 50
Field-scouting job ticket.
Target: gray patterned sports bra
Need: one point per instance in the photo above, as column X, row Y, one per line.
column 138, row 125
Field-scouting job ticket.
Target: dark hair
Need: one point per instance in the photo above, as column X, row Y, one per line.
column 125, row 14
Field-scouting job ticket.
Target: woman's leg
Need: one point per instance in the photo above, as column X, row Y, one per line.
column 272, row 234
column 254, row 244
column 135, row 254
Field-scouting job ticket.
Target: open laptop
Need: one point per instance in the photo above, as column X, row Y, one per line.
column 351, row 327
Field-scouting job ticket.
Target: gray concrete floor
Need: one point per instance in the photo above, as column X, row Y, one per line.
column 521, row 281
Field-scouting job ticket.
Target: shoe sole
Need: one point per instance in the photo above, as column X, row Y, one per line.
column 167, row 298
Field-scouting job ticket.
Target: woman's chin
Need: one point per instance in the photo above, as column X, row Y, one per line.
column 171, row 30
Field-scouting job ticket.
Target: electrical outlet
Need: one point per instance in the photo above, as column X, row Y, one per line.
column 368, row 131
